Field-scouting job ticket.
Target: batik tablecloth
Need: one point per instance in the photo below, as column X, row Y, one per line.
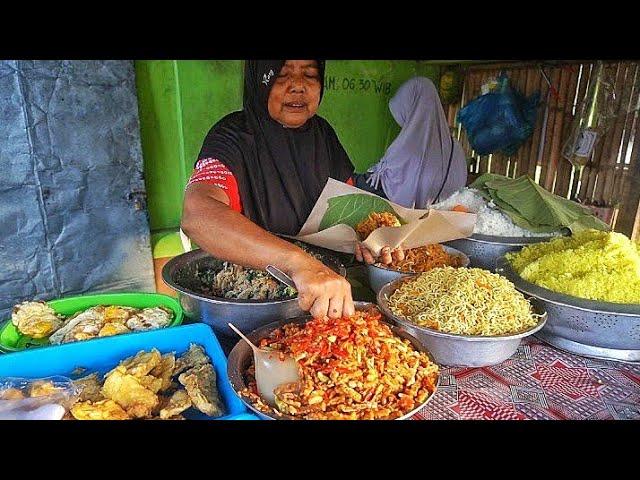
column 538, row 382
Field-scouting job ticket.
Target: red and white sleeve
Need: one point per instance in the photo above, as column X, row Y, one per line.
column 213, row 172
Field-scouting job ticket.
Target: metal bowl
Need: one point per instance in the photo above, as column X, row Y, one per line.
column 241, row 357
column 484, row 250
column 247, row 315
column 459, row 350
column 586, row 327
column 378, row 276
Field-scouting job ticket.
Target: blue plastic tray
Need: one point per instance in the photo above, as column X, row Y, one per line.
column 102, row 354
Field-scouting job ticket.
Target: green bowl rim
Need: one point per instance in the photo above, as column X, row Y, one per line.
column 177, row 310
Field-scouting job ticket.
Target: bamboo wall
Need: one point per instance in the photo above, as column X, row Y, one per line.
column 612, row 178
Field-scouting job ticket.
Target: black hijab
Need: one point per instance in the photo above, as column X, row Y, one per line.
column 280, row 171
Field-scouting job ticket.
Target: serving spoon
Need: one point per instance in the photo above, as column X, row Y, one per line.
column 271, row 370
column 279, row 275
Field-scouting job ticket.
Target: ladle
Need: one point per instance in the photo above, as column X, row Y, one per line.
column 271, row 370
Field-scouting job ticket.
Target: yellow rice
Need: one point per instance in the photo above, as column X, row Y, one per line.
column 602, row 266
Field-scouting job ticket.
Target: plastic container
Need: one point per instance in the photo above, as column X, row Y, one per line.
column 102, row 354
column 11, row 340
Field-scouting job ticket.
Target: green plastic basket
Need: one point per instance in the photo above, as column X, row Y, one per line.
column 11, row 340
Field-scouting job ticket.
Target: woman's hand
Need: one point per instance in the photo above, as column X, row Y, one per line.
column 227, row 234
column 321, row 291
column 387, row 255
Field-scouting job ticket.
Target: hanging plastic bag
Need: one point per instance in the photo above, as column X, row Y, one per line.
column 604, row 103
column 36, row 399
column 499, row 121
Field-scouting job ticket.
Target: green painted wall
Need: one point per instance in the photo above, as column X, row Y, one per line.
column 179, row 101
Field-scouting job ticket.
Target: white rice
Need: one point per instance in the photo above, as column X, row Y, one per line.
column 491, row 220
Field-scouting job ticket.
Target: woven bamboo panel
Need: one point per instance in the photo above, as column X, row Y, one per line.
column 611, row 179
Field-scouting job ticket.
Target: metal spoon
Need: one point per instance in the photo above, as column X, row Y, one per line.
column 279, row 275
column 271, row 370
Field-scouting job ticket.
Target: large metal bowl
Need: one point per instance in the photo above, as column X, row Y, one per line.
column 241, row 357
column 586, row 327
column 459, row 350
column 217, row 312
column 484, row 250
column 379, row 276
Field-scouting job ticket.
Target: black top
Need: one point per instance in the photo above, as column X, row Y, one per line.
column 280, row 171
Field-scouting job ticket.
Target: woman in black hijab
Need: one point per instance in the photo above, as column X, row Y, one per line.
column 270, row 161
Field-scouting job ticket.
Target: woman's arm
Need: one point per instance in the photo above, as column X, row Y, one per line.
column 229, row 235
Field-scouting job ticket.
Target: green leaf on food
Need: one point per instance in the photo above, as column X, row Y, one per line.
column 353, row 208
column 480, row 182
column 532, row 207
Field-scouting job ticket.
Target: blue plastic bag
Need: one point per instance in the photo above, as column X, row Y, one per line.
column 499, row 121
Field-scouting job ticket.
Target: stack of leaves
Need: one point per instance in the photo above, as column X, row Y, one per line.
column 532, row 207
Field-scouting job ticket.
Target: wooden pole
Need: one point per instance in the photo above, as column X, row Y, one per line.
column 623, row 92
column 628, row 220
column 563, row 177
column 607, row 147
column 553, row 104
column 542, row 87
column 591, row 183
column 621, row 180
column 580, row 99
column 556, row 136
column 525, row 149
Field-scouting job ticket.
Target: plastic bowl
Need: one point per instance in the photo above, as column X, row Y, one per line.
column 102, row 354
column 11, row 340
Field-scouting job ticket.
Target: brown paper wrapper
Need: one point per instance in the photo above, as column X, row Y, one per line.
column 423, row 227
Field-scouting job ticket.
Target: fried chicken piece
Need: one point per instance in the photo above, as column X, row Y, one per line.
column 194, row 357
column 151, row 383
column 127, row 391
column 90, row 388
column 200, row 383
column 11, row 394
column 164, row 371
column 149, row 319
column 376, row 220
column 142, row 363
column 102, row 410
column 43, row 388
column 176, row 404
column 35, row 319
column 113, row 328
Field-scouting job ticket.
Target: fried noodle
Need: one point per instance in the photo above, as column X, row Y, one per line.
column 464, row 301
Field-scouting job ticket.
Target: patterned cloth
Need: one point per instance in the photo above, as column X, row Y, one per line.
column 538, row 382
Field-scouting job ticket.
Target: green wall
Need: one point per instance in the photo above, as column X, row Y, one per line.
column 180, row 100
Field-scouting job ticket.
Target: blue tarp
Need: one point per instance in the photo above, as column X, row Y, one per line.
column 72, row 199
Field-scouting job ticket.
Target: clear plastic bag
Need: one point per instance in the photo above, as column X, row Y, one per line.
column 603, row 104
column 36, row 399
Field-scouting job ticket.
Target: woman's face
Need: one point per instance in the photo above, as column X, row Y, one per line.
column 295, row 95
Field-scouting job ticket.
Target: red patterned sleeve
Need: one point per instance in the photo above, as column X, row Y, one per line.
column 214, row 172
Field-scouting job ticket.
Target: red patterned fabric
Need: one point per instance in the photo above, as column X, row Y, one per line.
column 214, row 172
column 538, row 382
